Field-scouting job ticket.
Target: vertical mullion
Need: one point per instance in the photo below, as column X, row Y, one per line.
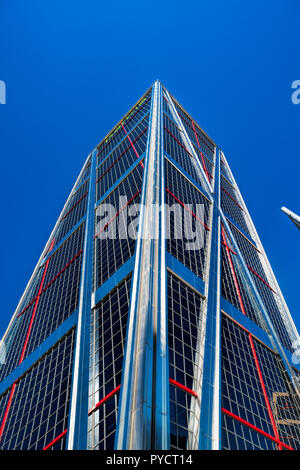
column 78, row 416
column 138, row 411
column 162, row 399
column 210, row 393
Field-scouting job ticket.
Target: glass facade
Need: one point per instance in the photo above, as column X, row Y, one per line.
column 146, row 328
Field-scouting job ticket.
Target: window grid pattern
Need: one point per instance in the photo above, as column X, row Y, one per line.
column 108, row 333
column 269, row 301
column 61, row 299
column 73, row 213
column 229, row 188
column 252, row 259
column 44, row 394
column 3, row 404
column 15, row 342
column 235, row 287
column 195, row 134
column 250, row 253
column 234, row 210
column 242, row 394
column 124, row 144
column 32, row 290
column 206, row 164
column 166, row 104
column 184, row 323
column 105, row 430
column 111, row 252
column 86, row 173
column 283, row 399
column 250, row 374
column 64, row 254
column 137, row 135
column 129, row 122
column 224, row 170
column 76, row 197
column 59, row 295
column 115, row 165
column 242, row 297
column 59, row 444
column 57, row 262
column 180, row 190
column 238, row 436
column 176, row 149
column 180, row 414
column 137, row 114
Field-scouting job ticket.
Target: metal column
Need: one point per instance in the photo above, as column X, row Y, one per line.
column 143, row 421
column 78, row 416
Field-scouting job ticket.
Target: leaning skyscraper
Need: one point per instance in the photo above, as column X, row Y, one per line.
column 153, row 319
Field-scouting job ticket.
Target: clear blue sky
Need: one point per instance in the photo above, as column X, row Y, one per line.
column 73, row 68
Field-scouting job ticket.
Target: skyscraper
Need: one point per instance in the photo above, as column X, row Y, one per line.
column 153, row 319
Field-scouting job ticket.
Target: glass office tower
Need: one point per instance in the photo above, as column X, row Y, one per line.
column 153, row 319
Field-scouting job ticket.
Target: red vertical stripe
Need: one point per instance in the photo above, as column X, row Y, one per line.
column 264, row 389
column 251, row 426
column 137, row 155
column 186, row 208
column 76, row 204
column 7, row 409
column 259, row 277
column 55, row 440
column 223, row 189
column 178, row 142
column 203, row 162
column 233, row 272
column 107, row 397
column 35, row 307
column 183, row 387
